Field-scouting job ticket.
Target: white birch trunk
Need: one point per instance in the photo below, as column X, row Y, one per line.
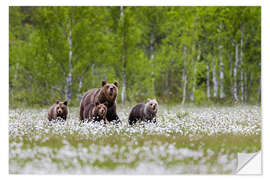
column 70, row 68
column 250, row 85
column 194, row 80
column 221, row 74
column 215, row 81
column 208, row 78
column 245, row 87
column 184, row 78
column 80, row 84
column 242, row 69
column 194, row 75
column 79, row 96
column 231, row 71
column 235, row 69
column 123, row 92
column 152, row 56
column 242, row 85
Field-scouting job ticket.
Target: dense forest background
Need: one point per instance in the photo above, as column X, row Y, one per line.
column 181, row 55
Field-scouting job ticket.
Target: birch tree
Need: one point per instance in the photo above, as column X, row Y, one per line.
column 123, row 56
column 176, row 54
column 214, row 75
column 221, row 73
column 208, row 78
column 184, row 77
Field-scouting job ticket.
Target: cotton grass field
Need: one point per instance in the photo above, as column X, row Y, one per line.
column 185, row 140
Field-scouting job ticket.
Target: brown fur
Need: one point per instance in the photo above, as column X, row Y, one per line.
column 144, row 112
column 106, row 94
column 98, row 113
column 58, row 110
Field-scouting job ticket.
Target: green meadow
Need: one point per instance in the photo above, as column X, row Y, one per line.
column 185, row 140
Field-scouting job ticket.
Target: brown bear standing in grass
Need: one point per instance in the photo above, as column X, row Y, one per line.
column 144, row 112
column 58, row 110
column 106, row 94
column 98, row 113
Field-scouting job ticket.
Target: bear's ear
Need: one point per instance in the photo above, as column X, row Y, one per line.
column 57, row 102
column 103, row 83
column 106, row 103
column 97, row 103
column 116, row 83
column 148, row 99
column 65, row 103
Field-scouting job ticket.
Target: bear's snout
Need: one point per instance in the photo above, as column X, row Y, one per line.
column 154, row 107
column 111, row 93
column 59, row 111
column 102, row 112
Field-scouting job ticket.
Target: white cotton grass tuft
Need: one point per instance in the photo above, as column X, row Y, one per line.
column 41, row 147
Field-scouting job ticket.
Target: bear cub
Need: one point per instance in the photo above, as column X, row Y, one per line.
column 58, row 110
column 99, row 112
column 144, row 112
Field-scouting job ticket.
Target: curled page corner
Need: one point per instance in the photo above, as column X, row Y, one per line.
column 249, row 163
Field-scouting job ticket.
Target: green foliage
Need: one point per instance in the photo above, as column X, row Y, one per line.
column 200, row 97
column 154, row 47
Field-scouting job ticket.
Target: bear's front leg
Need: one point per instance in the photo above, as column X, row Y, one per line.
column 112, row 116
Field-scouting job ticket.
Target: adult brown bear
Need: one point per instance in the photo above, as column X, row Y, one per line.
column 105, row 95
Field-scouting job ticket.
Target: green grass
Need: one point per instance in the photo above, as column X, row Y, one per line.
column 232, row 143
column 171, row 146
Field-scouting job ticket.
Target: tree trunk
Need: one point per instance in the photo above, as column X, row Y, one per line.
column 123, row 92
column 231, row 72
column 184, row 77
column 80, row 84
column 168, row 82
column 152, row 56
column 194, row 76
column 241, row 68
column 70, row 68
column 193, row 83
column 245, row 87
column 208, row 78
column 215, row 81
column 79, row 96
column 221, row 74
column 250, row 84
column 235, row 96
column 242, row 85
